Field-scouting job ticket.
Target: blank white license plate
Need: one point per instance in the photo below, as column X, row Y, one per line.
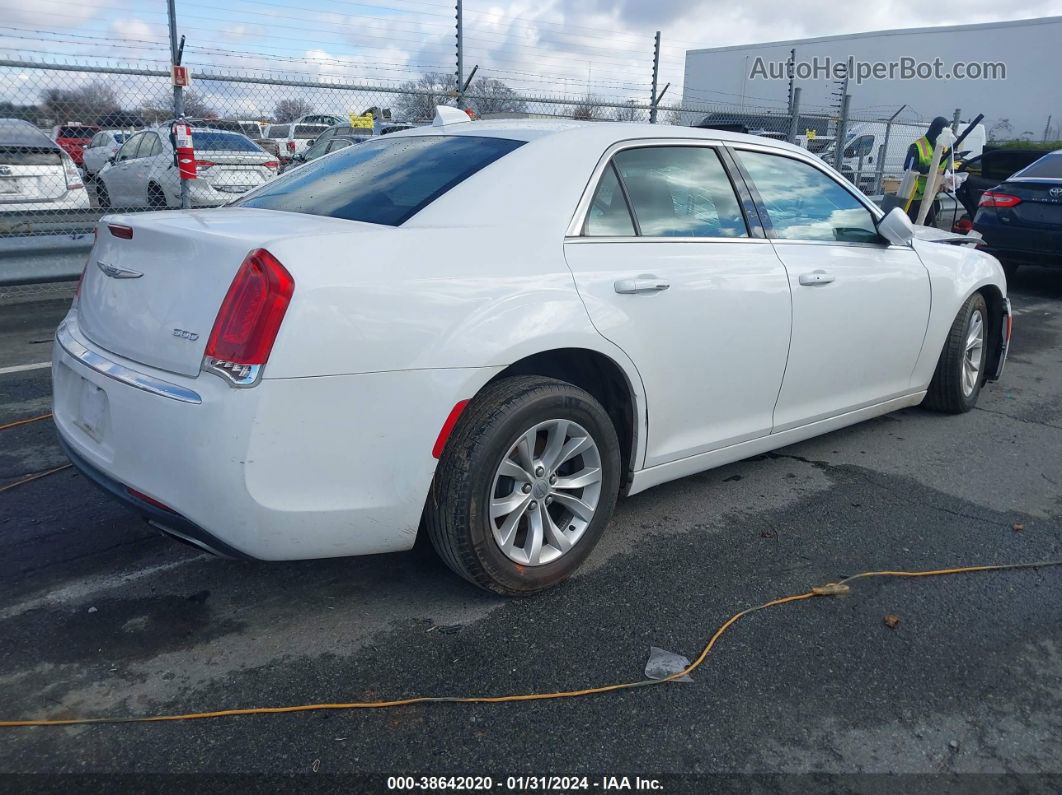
column 92, row 409
column 10, row 186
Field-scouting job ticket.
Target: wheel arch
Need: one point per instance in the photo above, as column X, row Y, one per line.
column 995, row 303
column 607, row 381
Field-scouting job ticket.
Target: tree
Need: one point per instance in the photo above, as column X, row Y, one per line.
column 1001, row 130
column 627, row 113
column 588, row 109
column 84, row 104
column 420, row 96
column 291, row 109
column 488, row 95
column 195, row 107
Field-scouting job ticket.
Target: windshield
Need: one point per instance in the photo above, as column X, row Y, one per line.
column 76, row 132
column 381, row 182
column 209, row 141
column 1049, row 167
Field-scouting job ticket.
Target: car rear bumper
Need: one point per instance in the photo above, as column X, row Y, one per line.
column 290, row 469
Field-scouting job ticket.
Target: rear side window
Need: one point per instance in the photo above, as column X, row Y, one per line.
column 381, row 182
column 76, row 132
column 1048, row 167
column 209, row 141
column 680, row 191
column 608, row 215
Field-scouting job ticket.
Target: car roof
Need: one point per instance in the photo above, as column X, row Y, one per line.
column 600, row 132
column 16, row 132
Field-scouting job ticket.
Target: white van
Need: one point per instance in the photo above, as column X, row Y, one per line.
column 863, row 149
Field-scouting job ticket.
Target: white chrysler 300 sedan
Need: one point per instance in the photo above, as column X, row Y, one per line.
column 489, row 330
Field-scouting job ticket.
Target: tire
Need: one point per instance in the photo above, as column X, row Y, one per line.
column 156, row 198
column 486, row 440
column 956, row 385
column 103, row 199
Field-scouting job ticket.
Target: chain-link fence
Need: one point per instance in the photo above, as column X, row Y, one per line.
column 86, row 140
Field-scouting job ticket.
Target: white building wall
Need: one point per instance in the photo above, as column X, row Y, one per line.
column 1031, row 91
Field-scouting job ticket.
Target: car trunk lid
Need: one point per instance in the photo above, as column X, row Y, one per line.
column 29, row 174
column 153, row 297
column 1039, row 207
column 234, row 172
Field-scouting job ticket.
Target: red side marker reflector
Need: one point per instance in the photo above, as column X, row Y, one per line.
column 124, row 232
column 149, row 500
column 447, row 428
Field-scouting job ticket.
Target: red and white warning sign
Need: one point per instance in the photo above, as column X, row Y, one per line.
column 182, row 146
column 180, row 75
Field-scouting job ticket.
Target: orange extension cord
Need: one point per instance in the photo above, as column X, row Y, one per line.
column 830, row 589
column 35, row 475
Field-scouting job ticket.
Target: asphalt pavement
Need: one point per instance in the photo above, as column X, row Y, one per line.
column 101, row 616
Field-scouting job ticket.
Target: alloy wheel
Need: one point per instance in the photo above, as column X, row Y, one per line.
column 971, row 360
column 545, row 492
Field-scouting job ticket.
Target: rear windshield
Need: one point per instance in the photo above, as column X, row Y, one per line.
column 308, row 130
column 277, row 131
column 384, row 181
column 29, row 156
column 222, row 142
column 1048, row 167
column 76, row 132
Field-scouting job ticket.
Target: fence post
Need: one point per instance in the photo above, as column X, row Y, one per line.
column 178, row 91
column 656, row 73
column 842, row 131
column 794, row 120
column 460, row 55
column 955, row 121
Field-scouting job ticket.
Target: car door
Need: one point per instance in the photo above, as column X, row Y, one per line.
column 142, row 169
column 672, row 271
column 118, row 178
column 860, row 305
column 94, row 155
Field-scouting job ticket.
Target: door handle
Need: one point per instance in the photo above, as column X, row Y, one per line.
column 646, row 283
column 815, row 278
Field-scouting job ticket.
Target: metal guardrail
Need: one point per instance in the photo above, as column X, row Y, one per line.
column 43, row 258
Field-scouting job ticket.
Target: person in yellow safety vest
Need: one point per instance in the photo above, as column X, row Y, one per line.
column 920, row 158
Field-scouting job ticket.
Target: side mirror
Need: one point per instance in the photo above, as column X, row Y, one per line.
column 896, row 227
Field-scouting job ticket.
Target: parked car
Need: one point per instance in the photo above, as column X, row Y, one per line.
column 489, row 330
column 292, row 138
column 102, row 148
column 142, row 172
column 988, row 170
column 73, row 138
column 35, row 172
column 1021, row 217
column 334, row 138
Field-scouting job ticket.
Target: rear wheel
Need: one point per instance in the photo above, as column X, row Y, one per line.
column 961, row 369
column 525, row 486
column 156, row 198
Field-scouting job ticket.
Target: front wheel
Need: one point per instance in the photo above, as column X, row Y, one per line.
column 960, row 371
column 525, row 486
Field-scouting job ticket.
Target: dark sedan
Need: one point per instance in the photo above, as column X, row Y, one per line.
column 1021, row 218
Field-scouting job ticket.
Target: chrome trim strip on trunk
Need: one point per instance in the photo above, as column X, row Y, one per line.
column 126, row 375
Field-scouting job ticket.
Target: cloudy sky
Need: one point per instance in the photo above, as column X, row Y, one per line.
column 552, row 47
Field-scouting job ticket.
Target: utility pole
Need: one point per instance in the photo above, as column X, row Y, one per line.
column 656, row 74
column 460, row 54
column 178, row 91
column 1047, row 129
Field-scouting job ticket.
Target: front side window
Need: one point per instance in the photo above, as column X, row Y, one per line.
column 860, row 147
column 680, row 191
column 804, row 203
column 381, row 182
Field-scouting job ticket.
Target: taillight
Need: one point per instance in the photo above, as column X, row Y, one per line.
column 249, row 319
column 204, row 164
column 273, row 164
column 993, row 199
column 121, row 230
column 73, row 176
column 291, row 146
